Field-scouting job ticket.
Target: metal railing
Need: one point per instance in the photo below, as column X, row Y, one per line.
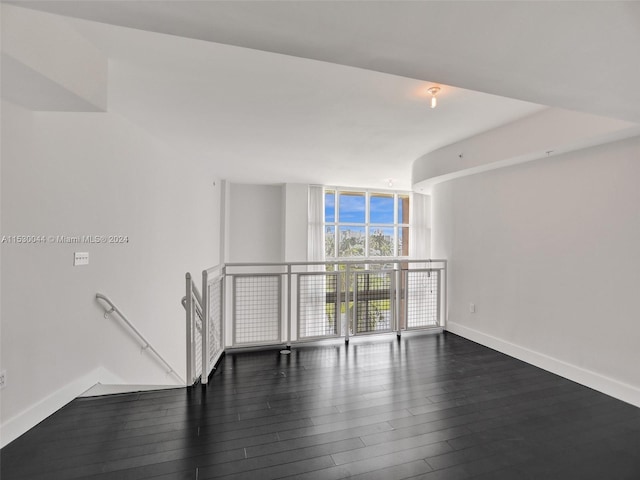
column 204, row 326
column 212, row 321
column 145, row 343
column 262, row 304
column 192, row 302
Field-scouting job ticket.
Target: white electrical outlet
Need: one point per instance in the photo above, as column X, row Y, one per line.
column 3, row 379
column 472, row 308
column 80, row 258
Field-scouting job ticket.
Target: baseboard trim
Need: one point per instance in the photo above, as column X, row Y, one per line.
column 100, row 389
column 33, row 415
column 609, row 386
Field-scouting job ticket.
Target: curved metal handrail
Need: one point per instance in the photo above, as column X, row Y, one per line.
column 198, row 310
column 198, row 303
column 147, row 345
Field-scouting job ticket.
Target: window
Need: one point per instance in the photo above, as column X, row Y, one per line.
column 361, row 224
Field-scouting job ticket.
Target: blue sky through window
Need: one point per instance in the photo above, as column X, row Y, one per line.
column 329, row 207
column 381, row 209
column 351, row 208
column 349, row 233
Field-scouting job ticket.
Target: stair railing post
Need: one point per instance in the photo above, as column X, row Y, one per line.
column 205, row 328
column 189, row 329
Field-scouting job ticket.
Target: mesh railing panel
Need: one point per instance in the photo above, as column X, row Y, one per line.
column 423, row 294
column 256, row 309
column 214, row 330
column 317, row 305
column 373, row 307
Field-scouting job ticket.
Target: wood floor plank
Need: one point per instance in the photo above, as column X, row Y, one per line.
column 432, row 407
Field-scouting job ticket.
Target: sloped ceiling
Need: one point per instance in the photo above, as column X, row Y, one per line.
column 269, row 89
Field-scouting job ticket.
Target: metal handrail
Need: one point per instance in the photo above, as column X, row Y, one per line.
column 147, row 345
column 339, row 261
column 196, row 325
column 211, row 350
column 195, row 293
column 397, row 265
column 198, row 305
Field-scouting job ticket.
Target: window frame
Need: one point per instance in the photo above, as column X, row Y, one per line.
column 368, row 226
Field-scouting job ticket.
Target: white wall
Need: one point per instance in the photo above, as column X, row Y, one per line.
column 256, row 223
column 296, row 223
column 420, row 232
column 42, row 52
column 93, row 174
column 548, row 252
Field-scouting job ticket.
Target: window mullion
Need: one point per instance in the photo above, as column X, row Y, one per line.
column 367, row 221
column 336, row 233
column 395, row 225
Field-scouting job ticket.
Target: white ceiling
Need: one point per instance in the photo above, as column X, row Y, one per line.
column 334, row 92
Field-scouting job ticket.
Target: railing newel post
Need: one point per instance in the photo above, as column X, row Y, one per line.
column 204, row 305
column 190, row 329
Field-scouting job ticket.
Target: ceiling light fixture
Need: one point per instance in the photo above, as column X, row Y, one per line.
column 433, row 91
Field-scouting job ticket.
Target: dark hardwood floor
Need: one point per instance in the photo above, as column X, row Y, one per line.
column 425, row 407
